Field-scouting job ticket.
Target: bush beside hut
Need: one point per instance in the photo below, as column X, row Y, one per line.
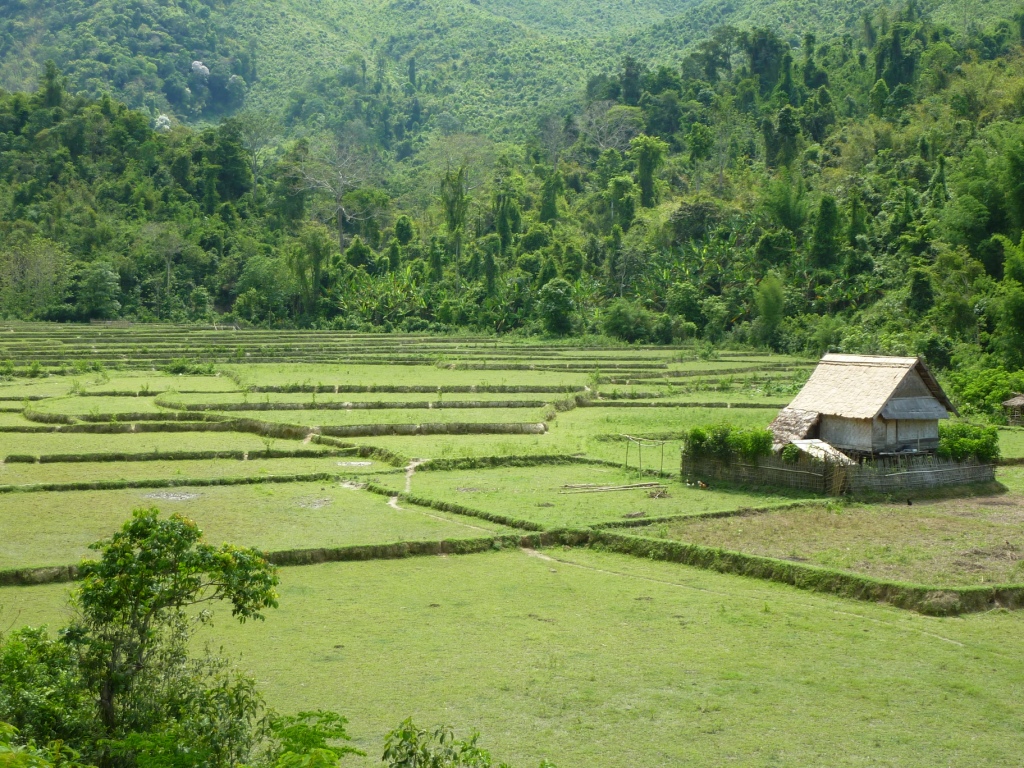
column 961, row 441
column 726, row 443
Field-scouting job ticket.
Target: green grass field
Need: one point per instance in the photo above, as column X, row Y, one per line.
column 594, row 659
column 326, row 418
column 86, row 406
column 400, row 375
column 577, row 655
column 93, row 471
column 1011, row 443
column 306, row 398
column 55, row 529
column 143, row 442
column 540, row 495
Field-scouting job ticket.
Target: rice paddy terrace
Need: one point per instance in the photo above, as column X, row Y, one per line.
column 480, row 544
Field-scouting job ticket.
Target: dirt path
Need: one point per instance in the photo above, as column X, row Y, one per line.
column 410, row 471
column 393, row 503
column 539, row 555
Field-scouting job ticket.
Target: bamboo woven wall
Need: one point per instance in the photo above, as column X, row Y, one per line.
column 916, row 473
column 767, row 471
column 884, row 476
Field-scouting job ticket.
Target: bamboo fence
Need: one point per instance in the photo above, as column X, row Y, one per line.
column 893, row 475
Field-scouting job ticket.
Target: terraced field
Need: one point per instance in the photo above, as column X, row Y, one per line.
column 573, row 624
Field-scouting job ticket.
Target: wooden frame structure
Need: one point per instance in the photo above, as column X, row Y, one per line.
column 640, row 443
column 1014, row 408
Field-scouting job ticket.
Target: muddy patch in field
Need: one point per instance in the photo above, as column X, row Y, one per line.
column 314, row 503
column 172, row 496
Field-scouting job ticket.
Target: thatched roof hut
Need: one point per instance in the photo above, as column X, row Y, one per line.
column 792, row 424
column 1015, row 410
column 867, row 404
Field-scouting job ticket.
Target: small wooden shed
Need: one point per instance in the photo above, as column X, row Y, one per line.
column 867, row 405
column 1015, row 411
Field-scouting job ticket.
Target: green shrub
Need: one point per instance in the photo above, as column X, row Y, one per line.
column 750, row 443
column 983, row 390
column 725, row 442
column 791, row 454
column 182, row 365
column 628, row 321
column 961, row 441
column 556, row 306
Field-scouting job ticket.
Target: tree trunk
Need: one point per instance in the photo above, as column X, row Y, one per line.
column 341, row 229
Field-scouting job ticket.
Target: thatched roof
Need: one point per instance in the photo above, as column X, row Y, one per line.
column 866, row 386
column 792, row 424
column 822, row 451
column 1015, row 402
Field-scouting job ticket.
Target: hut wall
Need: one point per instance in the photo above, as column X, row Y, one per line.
column 912, row 386
column 1015, row 416
column 878, row 434
column 847, row 434
column 918, row 433
column 891, row 439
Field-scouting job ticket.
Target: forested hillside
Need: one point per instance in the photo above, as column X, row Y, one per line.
column 855, row 191
column 486, row 65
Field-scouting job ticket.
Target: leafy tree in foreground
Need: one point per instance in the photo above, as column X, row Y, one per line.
column 408, row 746
column 120, row 687
column 120, row 684
column 304, row 740
column 27, row 755
column 135, row 604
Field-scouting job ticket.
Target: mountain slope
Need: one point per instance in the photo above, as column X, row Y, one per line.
column 494, row 63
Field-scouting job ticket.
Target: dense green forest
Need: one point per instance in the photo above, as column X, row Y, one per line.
column 855, row 191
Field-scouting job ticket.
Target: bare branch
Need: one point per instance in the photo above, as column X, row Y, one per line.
column 610, row 125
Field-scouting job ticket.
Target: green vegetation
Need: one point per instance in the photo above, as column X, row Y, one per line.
column 121, row 685
column 725, row 443
column 17, row 473
column 961, row 441
column 855, row 192
column 152, row 442
column 946, row 543
column 145, row 55
column 376, row 625
column 271, row 518
column 617, row 661
column 566, row 496
column 128, row 689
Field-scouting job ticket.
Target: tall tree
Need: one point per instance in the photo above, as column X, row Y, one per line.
column 550, row 190
column 333, row 170
column 630, row 81
column 648, row 153
column 257, row 132
column 309, row 258
column 770, row 299
column 825, row 241
column 455, row 202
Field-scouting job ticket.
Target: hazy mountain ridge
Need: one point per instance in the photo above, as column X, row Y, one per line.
column 500, row 61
